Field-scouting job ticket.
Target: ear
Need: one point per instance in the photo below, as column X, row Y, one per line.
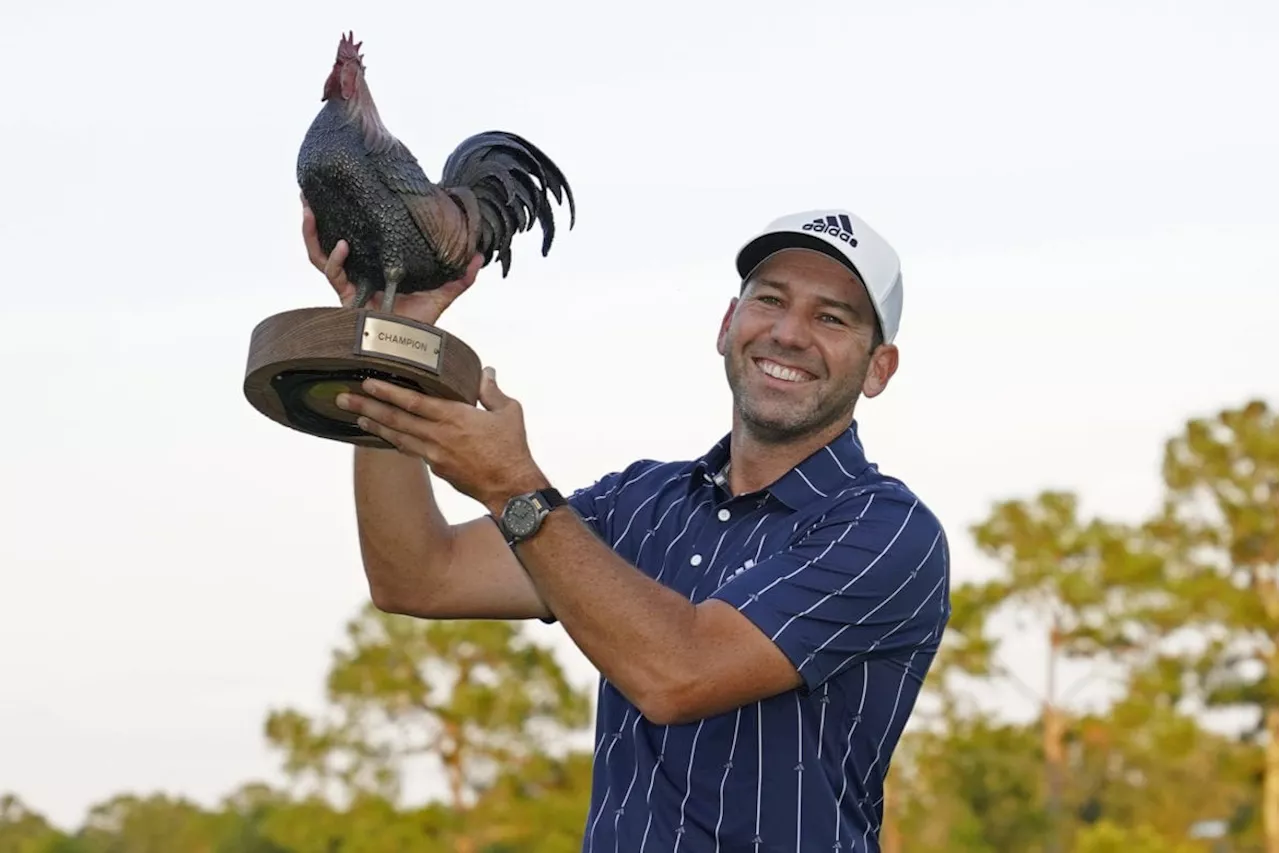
column 725, row 322
column 884, row 363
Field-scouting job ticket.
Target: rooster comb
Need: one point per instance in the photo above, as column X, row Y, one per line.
column 349, row 48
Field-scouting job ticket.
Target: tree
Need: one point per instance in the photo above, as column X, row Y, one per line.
column 1109, row 837
column 23, row 830
column 1217, row 537
column 970, row 786
column 538, row 807
column 250, row 813
column 473, row 697
column 1142, row 763
column 152, row 824
column 1069, row 574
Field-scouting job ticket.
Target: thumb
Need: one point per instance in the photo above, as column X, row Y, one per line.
column 491, row 396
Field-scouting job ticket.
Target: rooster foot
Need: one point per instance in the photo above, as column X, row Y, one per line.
column 393, row 275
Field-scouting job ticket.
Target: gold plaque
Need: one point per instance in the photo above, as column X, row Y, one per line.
column 397, row 339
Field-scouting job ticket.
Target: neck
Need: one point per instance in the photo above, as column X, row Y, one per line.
column 361, row 110
column 758, row 461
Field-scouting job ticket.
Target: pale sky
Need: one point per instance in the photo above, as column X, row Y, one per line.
column 1083, row 193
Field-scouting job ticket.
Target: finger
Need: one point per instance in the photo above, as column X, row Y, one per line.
column 473, row 269
column 405, row 443
column 420, row 405
column 311, row 238
column 385, row 414
column 491, row 396
column 333, row 266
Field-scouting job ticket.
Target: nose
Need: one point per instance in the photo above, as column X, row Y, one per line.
column 791, row 330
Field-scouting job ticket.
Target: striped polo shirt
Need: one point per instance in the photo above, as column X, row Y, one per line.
column 847, row 571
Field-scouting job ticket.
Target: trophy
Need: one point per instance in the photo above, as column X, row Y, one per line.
column 405, row 235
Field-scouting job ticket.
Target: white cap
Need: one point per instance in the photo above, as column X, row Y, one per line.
column 846, row 238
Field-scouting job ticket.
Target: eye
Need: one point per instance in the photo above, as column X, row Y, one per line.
column 769, row 300
column 831, row 318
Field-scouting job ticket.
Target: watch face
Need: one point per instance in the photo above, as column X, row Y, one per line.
column 520, row 517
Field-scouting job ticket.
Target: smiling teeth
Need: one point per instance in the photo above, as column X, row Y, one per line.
column 777, row 371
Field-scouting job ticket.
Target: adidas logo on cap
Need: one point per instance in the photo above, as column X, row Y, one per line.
column 837, row 225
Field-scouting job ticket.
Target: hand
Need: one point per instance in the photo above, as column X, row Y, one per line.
column 483, row 453
column 424, row 307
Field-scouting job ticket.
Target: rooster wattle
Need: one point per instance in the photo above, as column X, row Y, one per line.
column 405, row 233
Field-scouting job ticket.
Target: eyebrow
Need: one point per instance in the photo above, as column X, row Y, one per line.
column 825, row 300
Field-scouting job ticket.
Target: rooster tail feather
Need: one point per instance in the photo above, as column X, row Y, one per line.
column 510, row 179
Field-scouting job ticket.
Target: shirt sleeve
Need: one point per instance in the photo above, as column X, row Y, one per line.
column 594, row 503
column 871, row 579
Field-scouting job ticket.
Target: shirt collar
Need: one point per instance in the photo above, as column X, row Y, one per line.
column 824, row 473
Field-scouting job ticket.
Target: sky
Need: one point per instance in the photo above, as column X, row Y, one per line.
column 1083, row 194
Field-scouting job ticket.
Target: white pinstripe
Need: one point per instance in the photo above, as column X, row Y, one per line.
column 728, row 765
column 634, row 773
column 836, row 459
column 648, row 797
column 591, row 842
column 848, row 748
column 688, row 784
column 807, row 482
column 799, row 770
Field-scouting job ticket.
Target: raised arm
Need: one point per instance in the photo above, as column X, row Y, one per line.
column 416, row 562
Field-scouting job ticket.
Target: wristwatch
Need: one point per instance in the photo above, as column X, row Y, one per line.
column 523, row 514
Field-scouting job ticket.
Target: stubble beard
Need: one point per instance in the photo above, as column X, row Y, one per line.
column 777, row 425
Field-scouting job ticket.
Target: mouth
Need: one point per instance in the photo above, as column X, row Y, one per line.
column 782, row 372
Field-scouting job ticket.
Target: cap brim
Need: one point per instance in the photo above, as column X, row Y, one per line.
column 756, row 252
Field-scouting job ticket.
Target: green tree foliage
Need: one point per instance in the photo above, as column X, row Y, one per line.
column 470, row 696
column 1217, row 534
column 1071, row 575
column 1109, row 837
column 1144, row 764
column 24, row 831
column 971, row 786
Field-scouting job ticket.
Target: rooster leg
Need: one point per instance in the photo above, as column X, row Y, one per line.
column 364, row 290
column 392, row 274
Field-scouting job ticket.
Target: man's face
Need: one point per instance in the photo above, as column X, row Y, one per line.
column 797, row 346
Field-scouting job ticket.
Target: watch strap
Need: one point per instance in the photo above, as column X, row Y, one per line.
column 548, row 499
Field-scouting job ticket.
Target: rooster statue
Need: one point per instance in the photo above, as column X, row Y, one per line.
column 406, row 234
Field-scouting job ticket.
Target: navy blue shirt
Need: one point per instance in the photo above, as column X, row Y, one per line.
column 848, row 573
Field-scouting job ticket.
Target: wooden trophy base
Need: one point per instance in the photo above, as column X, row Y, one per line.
column 300, row 360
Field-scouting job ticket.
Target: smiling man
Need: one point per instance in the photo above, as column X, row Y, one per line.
column 762, row 616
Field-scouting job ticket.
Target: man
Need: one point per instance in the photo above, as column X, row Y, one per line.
column 762, row 616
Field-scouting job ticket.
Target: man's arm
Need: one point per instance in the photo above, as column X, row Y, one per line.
column 418, row 564
column 850, row 589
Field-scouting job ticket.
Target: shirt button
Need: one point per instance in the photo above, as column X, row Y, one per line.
column 695, row 559
column 723, row 515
